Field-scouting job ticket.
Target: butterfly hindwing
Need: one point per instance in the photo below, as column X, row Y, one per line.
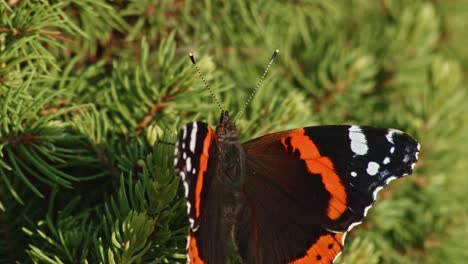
column 285, row 208
column 312, row 185
column 196, row 158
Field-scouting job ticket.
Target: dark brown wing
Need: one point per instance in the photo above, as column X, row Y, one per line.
column 306, row 187
column 196, row 159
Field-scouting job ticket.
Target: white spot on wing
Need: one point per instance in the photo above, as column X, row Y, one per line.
column 353, row 225
column 182, row 174
column 186, row 189
column 367, row 209
column 337, row 255
column 406, row 158
column 354, row 174
column 392, row 150
column 188, row 164
column 358, row 140
column 194, row 171
column 389, row 136
column 184, row 132
column 389, row 180
column 386, row 160
column 374, row 195
column 188, row 244
column 372, row 168
column 377, row 190
column 193, row 137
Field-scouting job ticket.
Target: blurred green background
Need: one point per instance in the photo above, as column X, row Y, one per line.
column 90, row 88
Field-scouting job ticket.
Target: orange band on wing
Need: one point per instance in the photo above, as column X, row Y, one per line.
column 324, row 250
column 318, row 164
column 193, row 253
column 203, row 167
column 332, row 182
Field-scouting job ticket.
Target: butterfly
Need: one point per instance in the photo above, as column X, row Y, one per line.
column 285, row 197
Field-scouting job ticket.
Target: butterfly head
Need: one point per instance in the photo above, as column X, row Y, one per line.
column 226, row 128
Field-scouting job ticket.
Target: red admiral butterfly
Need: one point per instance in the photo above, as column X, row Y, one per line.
column 286, row 197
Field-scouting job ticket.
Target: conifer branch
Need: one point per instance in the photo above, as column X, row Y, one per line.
column 51, row 110
column 156, row 109
column 21, row 139
column 102, row 157
column 331, row 94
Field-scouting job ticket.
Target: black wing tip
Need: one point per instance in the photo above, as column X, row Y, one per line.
column 411, row 150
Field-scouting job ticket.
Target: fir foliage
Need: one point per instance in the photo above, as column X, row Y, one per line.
column 92, row 91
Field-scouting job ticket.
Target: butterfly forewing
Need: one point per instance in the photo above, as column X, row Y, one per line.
column 196, row 158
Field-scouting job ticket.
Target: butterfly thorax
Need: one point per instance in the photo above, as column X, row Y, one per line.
column 231, row 160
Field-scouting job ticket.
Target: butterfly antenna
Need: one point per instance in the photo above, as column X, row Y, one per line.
column 192, row 58
column 258, row 85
